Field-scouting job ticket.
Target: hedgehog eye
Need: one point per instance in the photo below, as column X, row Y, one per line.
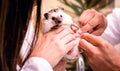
column 54, row 10
column 60, row 15
column 53, row 18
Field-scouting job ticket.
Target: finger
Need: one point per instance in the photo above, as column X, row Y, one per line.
column 70, row 45
column 64, row 33
column 87, row 28
column 89, row 14
column 95, row 21
column 84, row 13
column 68, row 38
column 86, row 46
column 94, row 40
column 98, row 31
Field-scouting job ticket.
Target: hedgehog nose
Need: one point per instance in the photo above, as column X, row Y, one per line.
column 58, row 21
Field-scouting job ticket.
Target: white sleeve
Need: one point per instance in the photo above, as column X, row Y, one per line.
column 112, row 32
column 36, row 64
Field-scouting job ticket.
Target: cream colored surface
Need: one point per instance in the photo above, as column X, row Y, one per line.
column 50, row 4
column 117, row 3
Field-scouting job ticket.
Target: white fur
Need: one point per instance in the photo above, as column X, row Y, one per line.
column 49, row 23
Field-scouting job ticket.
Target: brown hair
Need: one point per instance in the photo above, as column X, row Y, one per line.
column 14, row 17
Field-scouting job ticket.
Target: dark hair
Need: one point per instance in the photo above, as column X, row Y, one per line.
column 14, row 17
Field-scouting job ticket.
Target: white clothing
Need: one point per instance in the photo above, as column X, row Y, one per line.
column 33, row 63
column 27, row 41
column 112, row 32
column 36, row 64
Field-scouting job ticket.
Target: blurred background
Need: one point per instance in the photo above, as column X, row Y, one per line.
column 75, row 7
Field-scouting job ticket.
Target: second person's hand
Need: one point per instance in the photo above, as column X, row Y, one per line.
column 92, row 22
column 101, row 55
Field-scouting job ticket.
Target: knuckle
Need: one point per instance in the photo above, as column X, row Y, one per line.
column 92, row 11
column 86, row 11
column 81, row 22
column 104, row 44
column 100, row 15
column 96, row 53
column 53, row 39
column 59, row 46
column 46, row 35
column 60, row 49
column 92, row 24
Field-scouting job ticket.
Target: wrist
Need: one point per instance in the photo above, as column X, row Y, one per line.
column 117, row 65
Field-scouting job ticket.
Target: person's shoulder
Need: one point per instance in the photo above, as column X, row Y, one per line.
column 116, row 12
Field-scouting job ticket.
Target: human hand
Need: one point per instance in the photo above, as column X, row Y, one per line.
column 55, row 44
column 101, row 55
column 92, row 22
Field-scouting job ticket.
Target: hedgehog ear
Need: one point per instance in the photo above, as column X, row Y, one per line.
column 62, row 9
column 46, row 15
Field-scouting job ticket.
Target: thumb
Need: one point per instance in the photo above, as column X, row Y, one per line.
column 86, row 44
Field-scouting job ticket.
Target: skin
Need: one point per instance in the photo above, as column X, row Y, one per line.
column 92, row 22
column 55, row 44
column 101, row 55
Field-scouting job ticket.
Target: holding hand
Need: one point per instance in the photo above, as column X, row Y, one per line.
column 92, row 22
column 54, row 45
column 101, row 55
